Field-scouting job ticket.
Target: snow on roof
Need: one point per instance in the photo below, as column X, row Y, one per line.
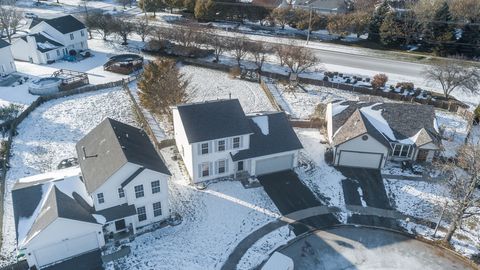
column 338, row 108
column 46, row 45
column 376, row 119
column 26, row 223
column 53, row 175
column 262, row 123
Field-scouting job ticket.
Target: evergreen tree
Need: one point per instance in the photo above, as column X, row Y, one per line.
column 204, row 10
column 391, row 33
column 440, row 32
column 161, row 86
column 469, row 43
column 377, row 21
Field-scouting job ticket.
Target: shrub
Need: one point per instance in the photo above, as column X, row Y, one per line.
column 354, row 82
column 348, row 80
column 340, row 74
column 392, row 88
column 325, row 78
column 335, row 73
column 367, row 79
column 379, row 81
column 234, row 72
column 476, row 114
column 405, row 85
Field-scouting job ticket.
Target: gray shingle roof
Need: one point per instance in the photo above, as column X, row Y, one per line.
column 65, row 24
column 280, row 138
column 109, row 146
column 56, row 205
column 40, row 38
column 118, row 212
column 405, row 121
column 3, row 43
column 213, row 120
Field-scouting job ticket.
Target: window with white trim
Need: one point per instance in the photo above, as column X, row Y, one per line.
column 221, row 145
column 402, row 150
column 141, row 213
column 155, row 186
column 157, row 209
column 139, row 191
column 205, row 169
column 100, row 198
column 236, row 142
column 71, row 36
column 121, row 192
column 221, row 167
column 204, row 148
column 82, row 33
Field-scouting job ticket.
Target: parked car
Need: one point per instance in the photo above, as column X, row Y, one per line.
column 30, row 15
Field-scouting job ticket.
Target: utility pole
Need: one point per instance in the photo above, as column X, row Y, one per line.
column 309, row 25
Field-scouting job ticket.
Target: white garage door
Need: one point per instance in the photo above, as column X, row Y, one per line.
column 66, row 249
column 362, row 160
column 274, row 164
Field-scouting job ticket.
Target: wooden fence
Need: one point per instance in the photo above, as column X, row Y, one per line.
column 12, row 125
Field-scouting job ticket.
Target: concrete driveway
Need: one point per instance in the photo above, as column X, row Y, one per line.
column 363, row 248
column 289, row 195
column 365, row 187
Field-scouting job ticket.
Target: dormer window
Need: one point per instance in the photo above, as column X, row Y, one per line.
column 204, row 148
column 236, row 142
column 71, row 36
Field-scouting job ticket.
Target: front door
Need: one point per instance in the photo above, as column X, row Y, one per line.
column 422, row 155
column 120, row 225
column 239, row 166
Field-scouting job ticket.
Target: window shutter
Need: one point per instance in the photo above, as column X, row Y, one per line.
column 216, row 166
column 199, row 170
column 241, row 141
column 199, row 148
column 226, row 165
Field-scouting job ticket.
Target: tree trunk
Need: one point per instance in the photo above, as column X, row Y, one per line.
column 453, row 227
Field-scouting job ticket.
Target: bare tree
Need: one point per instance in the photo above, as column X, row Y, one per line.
column 218, row 43
column 282, row 16
column 102, row 23
column 281, row 51
column 239, row 45
column 298, row 59
column 143, row 28
column 464, row 178
column 9, row 18
column 454, row 75
column 259, row 51
column 123, row 28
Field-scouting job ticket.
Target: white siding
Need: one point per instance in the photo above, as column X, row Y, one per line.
column 62, row 230
column 371, row 145
column 7, row 64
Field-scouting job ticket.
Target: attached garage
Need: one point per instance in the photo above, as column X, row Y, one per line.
column 274, row 164
column 360, row 159
column 66, row 249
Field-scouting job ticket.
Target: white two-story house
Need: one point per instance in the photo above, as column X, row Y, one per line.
column 51, row 39
column 7, row 64
column 217, row 140
column 124, row 175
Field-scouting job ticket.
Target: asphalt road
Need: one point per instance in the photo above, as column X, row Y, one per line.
column 365, row 187
column 289, row 195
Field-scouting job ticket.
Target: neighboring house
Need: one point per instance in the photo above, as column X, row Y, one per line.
column 217, row 140
column 7, row 64
column 51, row 39
column 322, row 6
column 54, row 218
column 124, row 175
column 367, row 135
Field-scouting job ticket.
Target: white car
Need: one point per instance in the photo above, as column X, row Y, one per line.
column 30, row 15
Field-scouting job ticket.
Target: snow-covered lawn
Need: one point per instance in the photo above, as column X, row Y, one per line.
column 215, row 221
column 49, row 134
column 425, row 200
column 323, row 180
column 302, row 104
column 210, row 84
column 455, row 130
